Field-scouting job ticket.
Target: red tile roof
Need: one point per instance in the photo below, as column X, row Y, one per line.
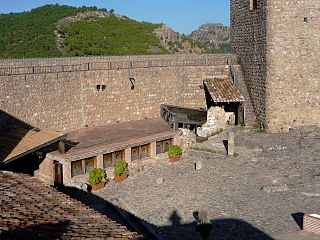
column 31, row 210
column 92, row 141
column 222, row 89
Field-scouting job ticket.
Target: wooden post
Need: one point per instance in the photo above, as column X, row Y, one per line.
column 62, row 147
column 153, row 149
column 230, row 143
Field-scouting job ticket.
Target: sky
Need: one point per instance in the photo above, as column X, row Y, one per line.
column 182, row 16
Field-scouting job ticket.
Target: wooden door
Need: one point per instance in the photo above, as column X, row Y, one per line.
column 58, row 179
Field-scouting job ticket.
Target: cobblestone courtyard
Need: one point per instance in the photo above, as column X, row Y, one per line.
column 256, row 194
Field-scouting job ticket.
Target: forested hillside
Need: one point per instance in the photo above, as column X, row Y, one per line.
column 31, row 34
column 58, row 31
column 108, row 35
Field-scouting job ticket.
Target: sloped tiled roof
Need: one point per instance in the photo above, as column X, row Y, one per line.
column 222, row 89
column 92, row 141
column 23, row 141
column 31, row 210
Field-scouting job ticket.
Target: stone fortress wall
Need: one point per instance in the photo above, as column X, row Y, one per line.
column 248, row 41
column 278, row 47
column 61, row 93
column 294, row 59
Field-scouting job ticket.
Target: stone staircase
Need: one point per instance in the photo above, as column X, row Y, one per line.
column 235, row 71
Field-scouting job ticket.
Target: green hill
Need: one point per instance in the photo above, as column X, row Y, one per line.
column 58, row 31
column 31, row 34
column 108, row 35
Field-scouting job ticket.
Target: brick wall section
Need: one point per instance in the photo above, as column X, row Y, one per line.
column 61, row 94
column 46, row 172
column 278, row 48
column 311, row 224
column 66, row 172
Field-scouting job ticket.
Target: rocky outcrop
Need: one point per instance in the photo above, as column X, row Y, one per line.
column 177, row 43
column 213, row 35
column 166, row 34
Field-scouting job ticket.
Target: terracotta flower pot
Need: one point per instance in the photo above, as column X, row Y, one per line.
column 120, row 178
column 174, row 159
column 97, row 186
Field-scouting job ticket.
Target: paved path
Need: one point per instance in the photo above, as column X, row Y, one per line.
column 255, row 195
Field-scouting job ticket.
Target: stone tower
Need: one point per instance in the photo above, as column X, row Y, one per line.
column 278, row 44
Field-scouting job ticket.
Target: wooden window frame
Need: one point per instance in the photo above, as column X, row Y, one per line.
column 163, row 142
column 113, row 158
column 140, row 156
column 147, row 154
column 104, row 160
column 82, row 170
column 94, row 164
column 132, row 155
column 83, row 166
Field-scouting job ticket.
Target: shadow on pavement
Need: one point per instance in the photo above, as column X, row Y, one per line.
column 222, row 229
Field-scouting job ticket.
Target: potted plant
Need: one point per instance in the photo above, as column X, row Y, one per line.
column 174, row 152
column 120, row 171
column 96, row 177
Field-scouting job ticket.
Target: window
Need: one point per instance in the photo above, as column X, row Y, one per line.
column 90, row 164
column 162, row 146
column 119, row 156
column 135, row 153
column 110, row 159
column 107, row 160
column 101, row 87
column 140, row 152
column 76, row 168
column 253, row 5
column 144, row 151
column 82, row 166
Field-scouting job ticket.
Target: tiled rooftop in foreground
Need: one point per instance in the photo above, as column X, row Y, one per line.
column 30, row 209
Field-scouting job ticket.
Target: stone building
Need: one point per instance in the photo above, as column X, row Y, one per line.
column 136, row 142
column 277, row 42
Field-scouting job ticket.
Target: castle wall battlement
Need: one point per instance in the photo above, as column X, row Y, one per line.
column 59, row 65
